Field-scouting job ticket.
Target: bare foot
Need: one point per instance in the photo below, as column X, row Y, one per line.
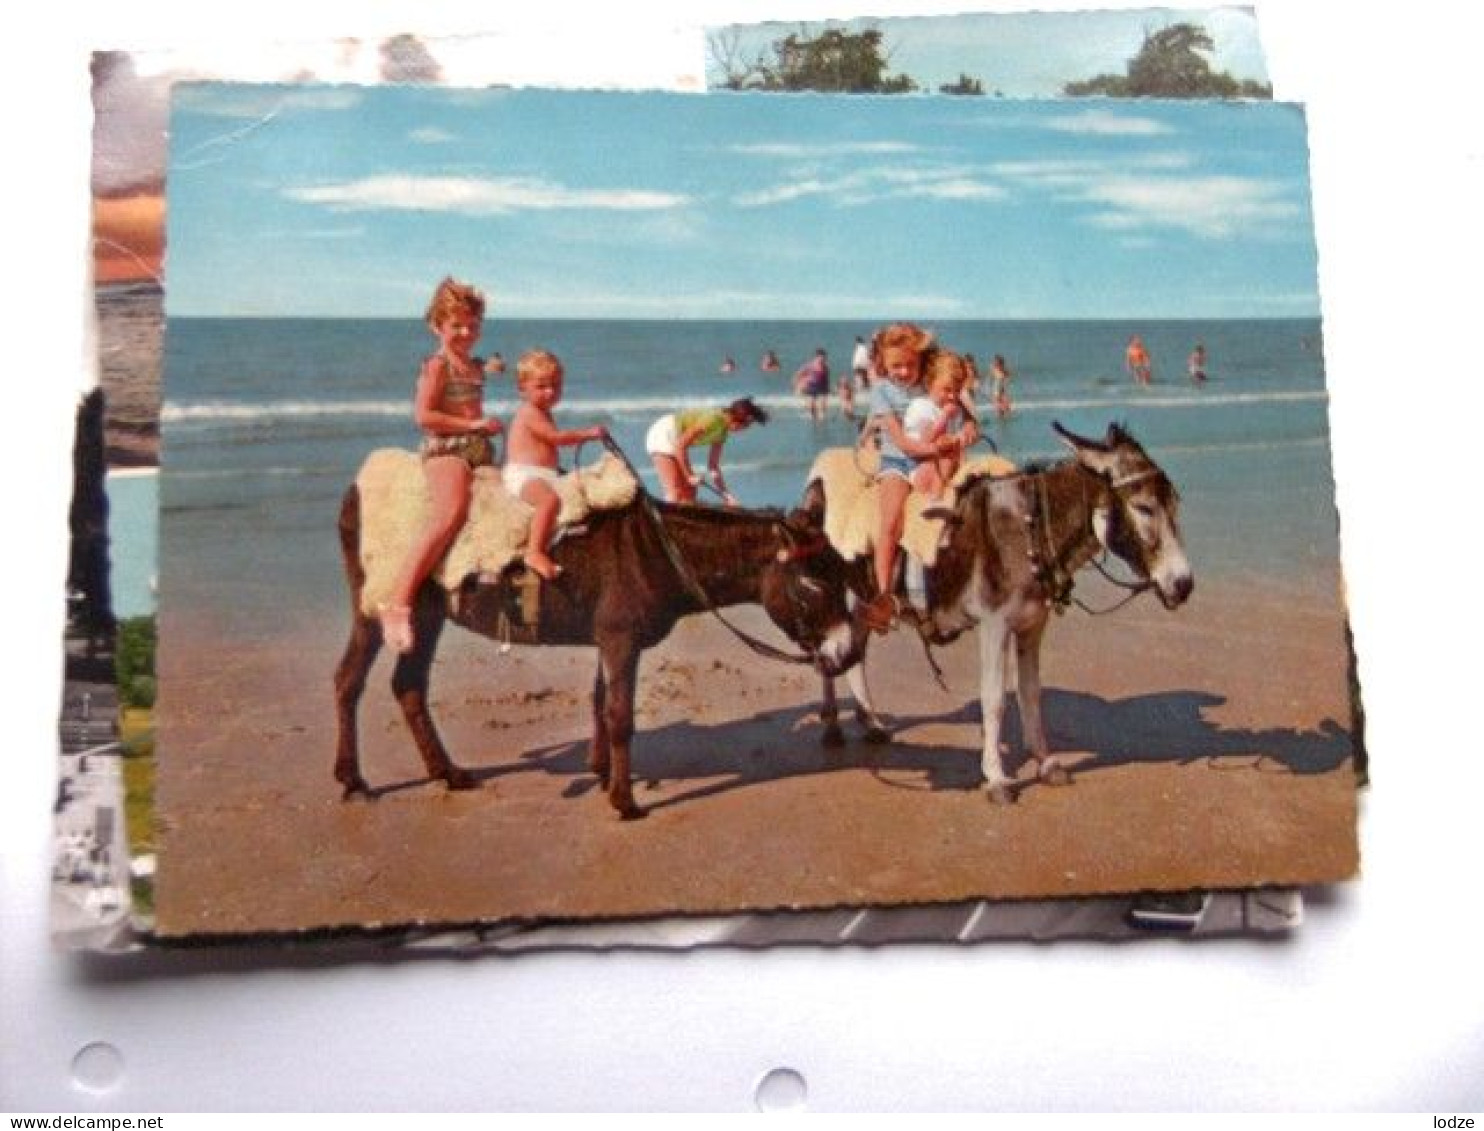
column 542, row 564
column 396, row 628
column 880, row 612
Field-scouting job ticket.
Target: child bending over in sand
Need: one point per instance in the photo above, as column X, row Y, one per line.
column 671, row 437
column 531, row 471
column 934, row 416
column 449, row 408
column 900, row 352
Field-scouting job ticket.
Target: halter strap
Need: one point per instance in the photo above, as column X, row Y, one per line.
column 1049, row 567
column 688, row 578
column 1135, row 477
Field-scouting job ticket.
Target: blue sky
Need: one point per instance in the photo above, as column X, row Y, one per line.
column 339, row 200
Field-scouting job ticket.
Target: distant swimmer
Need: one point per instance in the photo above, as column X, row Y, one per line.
column 770, row 362
column 1136, row 361
column 812, row 382
column 860, row 364
column 495, row 366
column 1195, row 364
column 728, row 365
column 999, row 379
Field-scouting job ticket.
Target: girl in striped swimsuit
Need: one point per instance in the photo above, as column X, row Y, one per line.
column 449, row 408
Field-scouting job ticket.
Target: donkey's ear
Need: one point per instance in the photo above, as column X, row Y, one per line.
column 1091, row 454
column 806, row 518
column 1075, row 442
column 1070, row 438
column 811, row 510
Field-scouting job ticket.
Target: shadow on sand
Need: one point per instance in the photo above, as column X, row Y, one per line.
column 1164, row 728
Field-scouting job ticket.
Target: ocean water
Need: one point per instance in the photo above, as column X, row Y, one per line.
column 264, row 423
column 133, row 521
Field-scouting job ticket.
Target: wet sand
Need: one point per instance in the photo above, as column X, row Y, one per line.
column 1212, row 749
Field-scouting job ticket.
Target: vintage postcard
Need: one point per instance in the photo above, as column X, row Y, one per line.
column 1116, row 52
column 1145, row 273
column 104, row 851
column 105, row 826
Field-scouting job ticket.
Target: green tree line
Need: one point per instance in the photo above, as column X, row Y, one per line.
column 1171, row 63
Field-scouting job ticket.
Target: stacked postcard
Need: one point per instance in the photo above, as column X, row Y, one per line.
column 1103, row 688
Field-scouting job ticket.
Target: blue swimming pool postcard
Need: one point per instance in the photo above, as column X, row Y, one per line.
column 583, row 506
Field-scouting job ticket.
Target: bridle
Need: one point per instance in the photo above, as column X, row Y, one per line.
column 799, row 549
column 1047, row 562
column 688, row 579
column 693, row 586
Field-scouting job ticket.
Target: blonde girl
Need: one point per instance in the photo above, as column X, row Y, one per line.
column 900, row 352
column 448, row 407
column 935, row 415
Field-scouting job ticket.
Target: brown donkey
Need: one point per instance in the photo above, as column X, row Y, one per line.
column 625, row 582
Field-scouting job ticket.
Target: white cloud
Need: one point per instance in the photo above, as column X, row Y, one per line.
column 1213, row 207
column 868, row 186
column 475, row 196
column 806, row 151
column 783, row 194
column 1050, row 172
column 431, row 135
column 1159, row 191
column 1107, row 123
column 947, row 186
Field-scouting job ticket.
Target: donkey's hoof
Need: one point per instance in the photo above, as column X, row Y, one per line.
column 1054, row 773
column 877, row 736
column 1000, row 795
column 457, row 779
column 631, row 812
column 356, row 789
column 833, row 737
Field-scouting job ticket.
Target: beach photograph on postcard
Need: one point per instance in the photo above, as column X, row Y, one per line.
column 709, row 706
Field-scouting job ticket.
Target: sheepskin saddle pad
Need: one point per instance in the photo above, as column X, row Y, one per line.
column 848, row 476
column 395, row 504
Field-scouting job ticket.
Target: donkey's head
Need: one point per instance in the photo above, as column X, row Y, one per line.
column 803, row 590
column 1140, row 523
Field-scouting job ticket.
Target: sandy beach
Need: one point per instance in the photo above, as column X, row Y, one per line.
column 1212, row 749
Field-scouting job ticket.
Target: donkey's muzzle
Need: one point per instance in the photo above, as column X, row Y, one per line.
column 1178, row 591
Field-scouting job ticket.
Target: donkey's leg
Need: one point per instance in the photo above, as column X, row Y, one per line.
column 993, row 643
column 350, row 681
column 865, row 711
column 620, row 660
column 598, row 756
column 829, row 715
column 410, row 685
column 1028, row 693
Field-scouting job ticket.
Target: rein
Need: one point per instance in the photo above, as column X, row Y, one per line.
column 688, row 577
column 1054, row 575
column 1045, row 558
column 1134, row 588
